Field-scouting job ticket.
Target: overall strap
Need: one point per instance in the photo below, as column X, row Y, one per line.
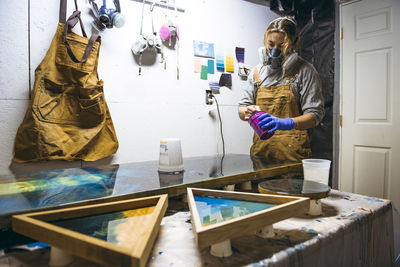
column 70, row 23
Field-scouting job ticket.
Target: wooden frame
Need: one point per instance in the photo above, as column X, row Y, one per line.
column 286, row 207
column 176, row 190
column 36, row 225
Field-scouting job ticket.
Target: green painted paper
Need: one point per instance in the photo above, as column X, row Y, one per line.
column 204, row 71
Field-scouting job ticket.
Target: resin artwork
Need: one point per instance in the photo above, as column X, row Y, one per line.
column 214, row 210
column 118, row 233
column 221, row 215
column 114, row 227
column 56, row 187
column 294, row 187
column 46, row 189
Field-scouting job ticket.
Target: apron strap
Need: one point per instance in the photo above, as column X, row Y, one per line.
column 63, row 12
column 69, row 24
column 292, row 75
column 257, row 80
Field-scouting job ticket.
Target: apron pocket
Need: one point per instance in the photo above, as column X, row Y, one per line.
column 78, row 48
column 52, row 86
column 91, row 104
column 56, row 103
column 274, row 104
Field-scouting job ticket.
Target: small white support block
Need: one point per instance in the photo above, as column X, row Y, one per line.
column 230, row 187
column 59, row 257
column 246, row 186
column 184, row 198
column 265, row 232
column 315, row 207
column 222, row 249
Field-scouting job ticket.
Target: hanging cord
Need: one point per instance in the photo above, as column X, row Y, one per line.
column 177, row 41
column 173, row 22
column 151, row 13
column 222, row 135
column 29, row 50
column 157, row 45
column 141, row 34
column 141, row 24
column 177, row 60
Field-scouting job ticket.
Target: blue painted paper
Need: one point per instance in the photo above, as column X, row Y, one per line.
column 214, row 210
column 110, row 227
column 203, row 49
column 220, row 62
column 211, row 66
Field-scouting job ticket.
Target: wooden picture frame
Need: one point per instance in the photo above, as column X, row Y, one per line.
column 137, row 233
column 285, row 207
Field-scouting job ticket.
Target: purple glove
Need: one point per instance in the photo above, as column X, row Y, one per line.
column 267, row 121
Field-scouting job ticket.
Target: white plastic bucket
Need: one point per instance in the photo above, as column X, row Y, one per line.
column 170, row 155
column 316, row 170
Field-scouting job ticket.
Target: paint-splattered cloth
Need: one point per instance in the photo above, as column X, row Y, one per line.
column 354, row 230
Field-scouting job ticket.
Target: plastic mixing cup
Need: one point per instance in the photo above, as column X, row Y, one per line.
column 316, row 170
column 262, row 133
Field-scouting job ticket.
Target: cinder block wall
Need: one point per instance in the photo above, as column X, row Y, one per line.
column 144, row 108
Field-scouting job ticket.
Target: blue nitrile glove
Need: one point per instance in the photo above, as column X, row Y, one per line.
column 269, row 121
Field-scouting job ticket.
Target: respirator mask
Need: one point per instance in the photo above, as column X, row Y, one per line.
column 168, row 31
column 144, row 43
column 272, row 58
column 275, row 58
column 147, row 42
column 107, row 17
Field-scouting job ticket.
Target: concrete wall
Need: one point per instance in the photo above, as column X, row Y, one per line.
column 144, row 108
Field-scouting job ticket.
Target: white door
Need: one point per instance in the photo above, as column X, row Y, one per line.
column 370, row 99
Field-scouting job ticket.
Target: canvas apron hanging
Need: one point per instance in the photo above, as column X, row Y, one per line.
column 279, row 101
column 68, row 117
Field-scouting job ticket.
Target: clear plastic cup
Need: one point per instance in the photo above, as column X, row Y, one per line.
column 316, row 170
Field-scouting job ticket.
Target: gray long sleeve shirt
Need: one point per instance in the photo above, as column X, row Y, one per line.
column 306, row 86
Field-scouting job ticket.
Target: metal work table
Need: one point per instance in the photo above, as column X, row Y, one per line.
column 62, row 188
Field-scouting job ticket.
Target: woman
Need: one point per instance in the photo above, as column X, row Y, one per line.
column 288, row 89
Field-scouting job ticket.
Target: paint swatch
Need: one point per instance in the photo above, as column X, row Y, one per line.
column 220, row 61
column 197, row 64
column 239, row 54
column 229, row 63
column 210, row 65
column 225, row 80
column 214, row 86
column 204, row 71
column 203, row 49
